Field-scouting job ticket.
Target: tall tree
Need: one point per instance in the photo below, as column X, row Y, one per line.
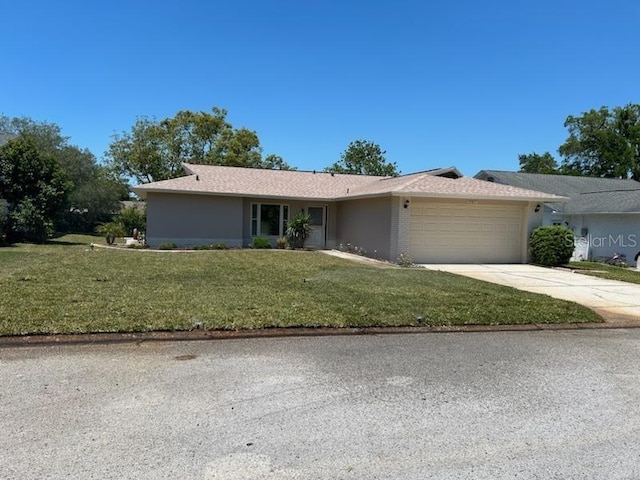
column 33, row 188
column 535, row 163
column 363, row 157
column 95, row 192
column 155, row 150
column 603, row 143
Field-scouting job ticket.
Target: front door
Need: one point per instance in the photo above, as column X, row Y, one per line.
column 318, row 227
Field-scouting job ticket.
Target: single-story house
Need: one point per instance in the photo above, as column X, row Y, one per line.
column 604, row 213
column 436, row 216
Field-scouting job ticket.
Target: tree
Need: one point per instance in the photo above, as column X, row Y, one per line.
column 534, row 163
column 33, row 186
column 155, row 150
column 603, row 143
column 363, row 157
column 95, row 192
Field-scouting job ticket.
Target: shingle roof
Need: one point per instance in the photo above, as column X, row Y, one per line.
column 625, row 201
column 588, row 194
column 235, row 181
column 208, row 179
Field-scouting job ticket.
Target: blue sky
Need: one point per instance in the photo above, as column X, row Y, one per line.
column 467, row 83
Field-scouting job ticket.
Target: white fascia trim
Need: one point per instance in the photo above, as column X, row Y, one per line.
column 466, row 196
column 237, row 195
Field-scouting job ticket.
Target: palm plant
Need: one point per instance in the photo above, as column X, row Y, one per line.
column 110, row 231
column 298, row 230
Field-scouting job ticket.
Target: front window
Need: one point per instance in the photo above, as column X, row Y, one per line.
column 269, row 220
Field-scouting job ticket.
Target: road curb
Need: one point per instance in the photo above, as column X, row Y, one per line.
column 192, row 335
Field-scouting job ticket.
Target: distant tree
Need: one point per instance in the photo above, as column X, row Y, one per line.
column 95, row 192
column 363, row 157
column 534, row 163
column 275, row 162
column 33, row 188
column 4, row 222
column 155, row 150
column 603, row 143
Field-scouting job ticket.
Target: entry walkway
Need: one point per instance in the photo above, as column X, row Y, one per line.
column 612, row 299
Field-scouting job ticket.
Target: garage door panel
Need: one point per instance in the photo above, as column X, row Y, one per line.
column 461, row 233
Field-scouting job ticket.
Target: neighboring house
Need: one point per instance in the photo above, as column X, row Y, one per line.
column 436, row 216
column 136, row 205
column 604, row 213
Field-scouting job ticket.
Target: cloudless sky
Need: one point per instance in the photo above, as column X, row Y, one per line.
column 436, row 83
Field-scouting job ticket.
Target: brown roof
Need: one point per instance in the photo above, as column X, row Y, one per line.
column 292, row 184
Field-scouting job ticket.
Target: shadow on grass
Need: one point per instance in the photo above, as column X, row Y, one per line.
column 63, row 243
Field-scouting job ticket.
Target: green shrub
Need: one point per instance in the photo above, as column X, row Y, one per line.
column 405, row 260
column 167, row 246
column 202, row 247
column 131, row 218
column 260, row 242
column 30, row 223
column 552, row 246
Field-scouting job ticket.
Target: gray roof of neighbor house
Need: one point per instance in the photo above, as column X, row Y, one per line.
column 293, row 184
column 587, row 194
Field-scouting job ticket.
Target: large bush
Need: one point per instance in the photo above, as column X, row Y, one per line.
column 552, row 245
column 131, row 218
column 260, row 242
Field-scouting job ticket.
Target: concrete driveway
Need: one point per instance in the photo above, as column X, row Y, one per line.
column 612, row 299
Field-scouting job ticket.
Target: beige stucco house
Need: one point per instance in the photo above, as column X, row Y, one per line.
column 437, row 216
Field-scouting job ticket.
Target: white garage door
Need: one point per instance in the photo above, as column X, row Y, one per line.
column 465, row 233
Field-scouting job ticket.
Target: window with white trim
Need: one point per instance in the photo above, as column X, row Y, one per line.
column 269, row 220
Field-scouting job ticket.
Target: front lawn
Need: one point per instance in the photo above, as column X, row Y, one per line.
column 609, row 272
column 64, row 286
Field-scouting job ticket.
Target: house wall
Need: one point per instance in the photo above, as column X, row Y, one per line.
column 189, row 220
column 367, row 223
column 533, row 220
column 295, row 206
column 607, row 234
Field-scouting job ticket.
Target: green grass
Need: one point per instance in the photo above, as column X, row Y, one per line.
column 65, row 286
column 609, row 272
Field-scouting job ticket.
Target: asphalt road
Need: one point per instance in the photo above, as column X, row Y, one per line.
column 547, row 405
